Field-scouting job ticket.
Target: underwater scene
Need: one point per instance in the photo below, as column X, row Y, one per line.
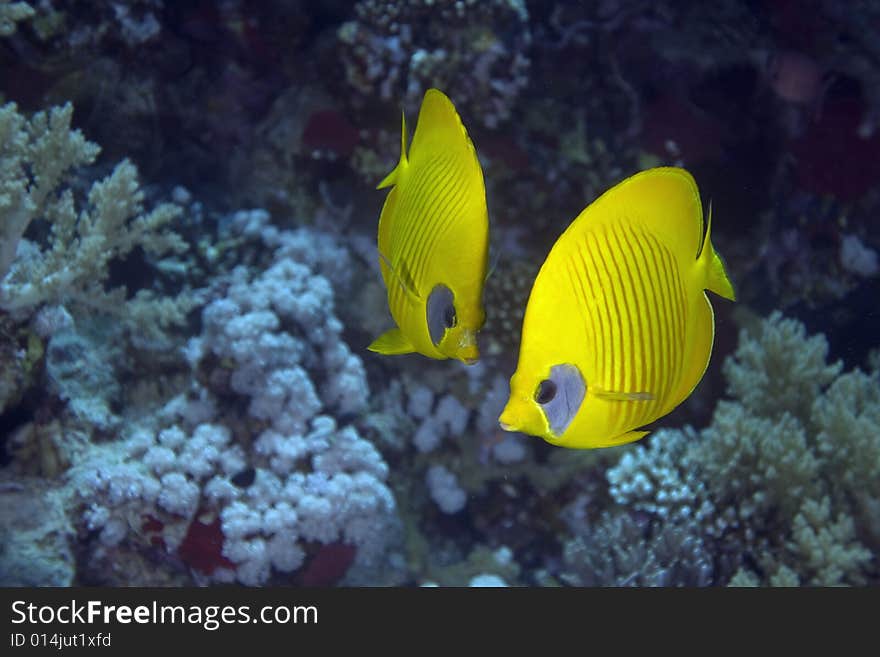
column 439, row 293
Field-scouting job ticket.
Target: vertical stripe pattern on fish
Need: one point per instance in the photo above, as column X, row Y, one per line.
column 618, row 329
column 434, row 238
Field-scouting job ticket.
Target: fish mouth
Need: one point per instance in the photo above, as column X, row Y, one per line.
column 468, row 353
column 467, row 339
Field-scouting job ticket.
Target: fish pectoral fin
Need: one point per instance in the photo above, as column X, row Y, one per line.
column 494, row 258
column 610, row 395
column 392, row 342
column 623, row 439
column 404, row 278
column 408, row 282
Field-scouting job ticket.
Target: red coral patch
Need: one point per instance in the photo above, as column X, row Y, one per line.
column 328, row 130
column 202, row 548
column 329, row 565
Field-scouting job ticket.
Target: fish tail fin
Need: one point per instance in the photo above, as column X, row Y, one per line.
column 391, row 178
column 717, row 280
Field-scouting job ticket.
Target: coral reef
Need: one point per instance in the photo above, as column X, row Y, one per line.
column 185, row 391
column 768, row 488
column 35, row 532
column 12, row 13
column 274, row 489
column 476, row 50
column 621, row 551
column 72, row 267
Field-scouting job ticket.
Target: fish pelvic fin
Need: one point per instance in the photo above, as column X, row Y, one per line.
column 392, row 342
column 392, row 177
column 494, row 258
column 717, row 280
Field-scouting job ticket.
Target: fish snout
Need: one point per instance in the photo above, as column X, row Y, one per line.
column 522, row 415
column 508, row 419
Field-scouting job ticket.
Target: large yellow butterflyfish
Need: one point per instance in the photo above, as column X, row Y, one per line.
column 434, row 239
column 618, row 328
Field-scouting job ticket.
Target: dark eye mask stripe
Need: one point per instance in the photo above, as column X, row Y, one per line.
column 439, row 301
column 570, row 392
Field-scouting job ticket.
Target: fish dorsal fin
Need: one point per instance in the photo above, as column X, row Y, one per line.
column 664, row 201
column 717, row 279
column 441, row 131
column 402, row 163
column 392, row 342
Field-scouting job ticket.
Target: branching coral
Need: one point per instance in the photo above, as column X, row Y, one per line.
column 846, row 419
column 35, row 156
column 12, row 13
column 794, row 460
column 255, row 472
column 622, row 551
column 825, row 549
column 766, row 376
column 779, row 479
column 36, row 163
column 651, row 480
column 755, row 465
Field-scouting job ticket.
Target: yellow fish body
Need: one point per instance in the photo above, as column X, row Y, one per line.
column 434, row 239
column 618, row 329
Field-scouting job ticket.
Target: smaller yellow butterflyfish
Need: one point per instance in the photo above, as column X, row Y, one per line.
column 618, row 329
column 434, row 239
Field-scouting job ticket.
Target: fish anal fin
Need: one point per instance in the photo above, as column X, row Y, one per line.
column 392, row 342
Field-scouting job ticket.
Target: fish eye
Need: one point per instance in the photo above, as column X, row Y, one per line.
column 440, row 312
column 449, row 316
column 546, row 392
column 560, row 396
